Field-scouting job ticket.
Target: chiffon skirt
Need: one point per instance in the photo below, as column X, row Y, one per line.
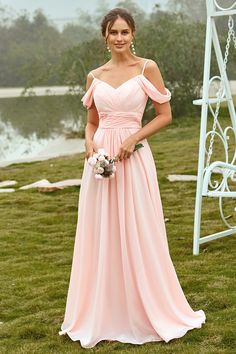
column 123, row 285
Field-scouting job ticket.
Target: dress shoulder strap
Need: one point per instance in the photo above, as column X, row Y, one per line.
column 145, row 65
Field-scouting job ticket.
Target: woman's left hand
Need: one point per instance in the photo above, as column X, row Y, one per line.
column 126, row 148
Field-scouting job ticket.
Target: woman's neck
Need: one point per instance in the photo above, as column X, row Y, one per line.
column 120, row 59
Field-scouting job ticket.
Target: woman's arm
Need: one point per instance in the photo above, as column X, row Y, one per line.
column 163, row 111
column 163, row 114
column 92, row 123
column 92, row 116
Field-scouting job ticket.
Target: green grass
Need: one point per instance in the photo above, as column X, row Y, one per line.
column 37, row 238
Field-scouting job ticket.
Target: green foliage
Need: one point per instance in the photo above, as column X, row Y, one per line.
column 31, row 52
column 191, row 10
column 75, row 34
column 77, row 61
column 178, row 48
column 138, row 14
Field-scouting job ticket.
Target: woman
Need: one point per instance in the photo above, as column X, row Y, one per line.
column 123, row 285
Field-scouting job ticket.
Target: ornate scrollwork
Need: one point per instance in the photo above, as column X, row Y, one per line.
column 225, row 169
column 224, row 8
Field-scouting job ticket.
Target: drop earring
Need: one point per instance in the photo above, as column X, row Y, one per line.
column 133, row 48
column 107, row 53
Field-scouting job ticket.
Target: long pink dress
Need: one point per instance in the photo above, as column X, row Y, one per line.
column 123, row 285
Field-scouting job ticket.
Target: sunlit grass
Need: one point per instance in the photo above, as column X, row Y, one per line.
column 37, row 238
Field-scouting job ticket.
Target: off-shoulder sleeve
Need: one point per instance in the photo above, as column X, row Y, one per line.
column 153, row 92
column 87, row 98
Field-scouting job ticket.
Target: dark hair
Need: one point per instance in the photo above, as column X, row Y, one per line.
column 112, row 16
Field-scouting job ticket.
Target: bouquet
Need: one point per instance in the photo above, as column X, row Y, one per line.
column 103, row 165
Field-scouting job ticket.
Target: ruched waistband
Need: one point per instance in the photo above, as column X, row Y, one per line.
column 114, row 120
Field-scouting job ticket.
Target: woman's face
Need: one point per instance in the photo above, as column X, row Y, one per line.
column 120, row 36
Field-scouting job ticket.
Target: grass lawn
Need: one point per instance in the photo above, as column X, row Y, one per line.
column 37, row 238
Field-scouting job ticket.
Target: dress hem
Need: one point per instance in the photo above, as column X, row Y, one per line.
column 133, row 341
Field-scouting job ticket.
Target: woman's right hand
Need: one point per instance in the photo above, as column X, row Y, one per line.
column 90, row 148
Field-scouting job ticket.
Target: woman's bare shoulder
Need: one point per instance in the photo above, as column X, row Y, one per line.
column 99, row 70
column 150, row 63
column 151, row 67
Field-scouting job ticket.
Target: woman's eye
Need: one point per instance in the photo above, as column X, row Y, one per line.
column 113, row 32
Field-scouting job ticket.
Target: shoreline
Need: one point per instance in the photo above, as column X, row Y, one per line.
column 56, row 148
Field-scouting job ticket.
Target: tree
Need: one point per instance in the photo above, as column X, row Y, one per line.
column 31, row 50
column 194, row 10
column 138, row 14
column 101, row 10
column 74, row 34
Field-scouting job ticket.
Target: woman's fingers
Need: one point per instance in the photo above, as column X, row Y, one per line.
column 90, row 150
column 123, row 156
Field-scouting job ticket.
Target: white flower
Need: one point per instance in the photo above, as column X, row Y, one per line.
column 101, row 151
column 101, row 158
column 95, row 155
column 92, row 161
column 97, row 176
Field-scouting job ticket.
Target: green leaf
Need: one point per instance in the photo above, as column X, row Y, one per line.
column 138, row 146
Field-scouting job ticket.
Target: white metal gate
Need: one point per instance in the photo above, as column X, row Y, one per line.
column 227, row 168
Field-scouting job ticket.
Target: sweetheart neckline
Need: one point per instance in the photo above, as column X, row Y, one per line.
column 116, row 88
column 132, row 78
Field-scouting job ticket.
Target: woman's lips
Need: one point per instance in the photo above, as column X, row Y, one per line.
column 119, row 45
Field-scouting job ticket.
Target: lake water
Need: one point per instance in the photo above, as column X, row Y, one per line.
column 29, row 124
